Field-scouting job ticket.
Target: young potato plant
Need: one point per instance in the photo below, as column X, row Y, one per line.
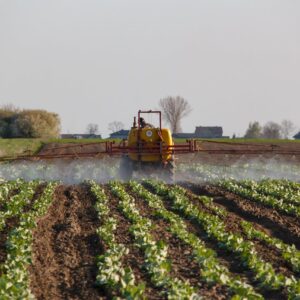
column 15, row 205
column 211, row 270
column 215, row 228
column 7, row 186
column 111, row 272
column 155, row 252
column 14, row 282
column 206, row 201
column 287, row 183
column 288, row 252
column 237, row 188
column 283, row 193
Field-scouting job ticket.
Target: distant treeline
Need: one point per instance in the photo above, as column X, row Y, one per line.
column 17, row 123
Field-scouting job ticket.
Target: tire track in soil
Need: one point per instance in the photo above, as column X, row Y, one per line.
column 13, row 222
column 227, row 258
column 281, row 226
column 65, row 246
column 184, row 266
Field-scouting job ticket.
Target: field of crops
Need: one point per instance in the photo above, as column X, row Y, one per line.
column 227, row 240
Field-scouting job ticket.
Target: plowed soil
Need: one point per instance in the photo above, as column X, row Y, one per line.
column 66, row 245
column 65, row 248
column 271, row 221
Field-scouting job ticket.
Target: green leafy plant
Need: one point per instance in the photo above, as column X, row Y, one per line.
column 111, row 272
column 155, row 252
column 235, row 243
column 211, row 270
column 14, row 282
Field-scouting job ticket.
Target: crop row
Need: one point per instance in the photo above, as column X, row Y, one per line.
column 209, row 172
column 14, row 206
column 281, row 192
column 245, row 250
column 7, row 187
column 211, row 270
column 14, row 281
column 288, row 252
column 155, row 252
column 267, row 200
column 111, row 273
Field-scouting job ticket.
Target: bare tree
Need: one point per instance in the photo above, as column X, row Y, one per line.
column 115, row 126
column 174, row 109
column 287, row 128
column 92, row 129
column 272, row 130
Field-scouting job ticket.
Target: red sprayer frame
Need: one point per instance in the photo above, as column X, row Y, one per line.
column 112, row 148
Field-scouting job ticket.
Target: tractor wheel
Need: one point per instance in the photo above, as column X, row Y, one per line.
column 126, row 168
column 170, row 172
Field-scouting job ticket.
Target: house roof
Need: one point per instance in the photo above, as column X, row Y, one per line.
column 207, row 131
column 297, row 136
column 121, row 132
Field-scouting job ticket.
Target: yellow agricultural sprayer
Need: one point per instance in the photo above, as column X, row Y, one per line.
column 147, row 149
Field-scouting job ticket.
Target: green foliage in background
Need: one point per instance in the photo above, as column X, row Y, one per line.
column 15, row 123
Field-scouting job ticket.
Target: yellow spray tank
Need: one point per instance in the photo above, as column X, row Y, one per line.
column 149, row 149
column 149, row 139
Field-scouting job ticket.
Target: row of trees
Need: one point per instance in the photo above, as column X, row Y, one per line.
column 93, row 128
column 174, row 109
column 270, row 130
column 16, row 123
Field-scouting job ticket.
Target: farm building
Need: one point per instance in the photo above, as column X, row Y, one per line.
column 297, row 136
column 205, row 132
column 209, row 132
column 80, row 136
column 121, row 134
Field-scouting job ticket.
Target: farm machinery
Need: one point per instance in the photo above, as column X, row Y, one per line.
column 147, row 149
column 150, row 149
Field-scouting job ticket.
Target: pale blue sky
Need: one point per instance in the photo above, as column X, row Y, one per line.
column 99, row 61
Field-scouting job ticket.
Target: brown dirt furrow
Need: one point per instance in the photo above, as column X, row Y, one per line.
column 65, row 247
column 286, row 228
column 231, row 261
column 10, row 224
column 184, row 266
column 268, row 252
column 38, row 192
